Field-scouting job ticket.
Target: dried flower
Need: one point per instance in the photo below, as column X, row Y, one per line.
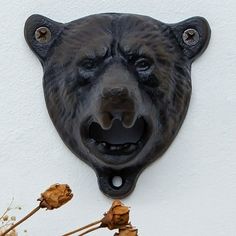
column 13, row 218
column 5, row 218
column 117, row 217
column 56, row 196
column 127, row 231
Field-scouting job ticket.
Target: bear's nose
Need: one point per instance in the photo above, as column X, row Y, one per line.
column 116, row 103
column 115, row 92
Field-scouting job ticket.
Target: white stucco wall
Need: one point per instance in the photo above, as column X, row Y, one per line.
column 191, row 190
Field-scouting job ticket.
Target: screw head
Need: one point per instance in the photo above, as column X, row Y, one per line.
column 190, row 37
column 43, row 34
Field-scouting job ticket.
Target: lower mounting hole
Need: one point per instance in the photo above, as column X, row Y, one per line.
column 117, row 181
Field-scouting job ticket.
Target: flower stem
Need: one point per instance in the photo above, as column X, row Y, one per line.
column 6, row 209
column 82, row 228
column 89, row 230
column 22, row 220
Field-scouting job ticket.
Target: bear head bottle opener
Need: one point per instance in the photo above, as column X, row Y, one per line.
column 117, row 87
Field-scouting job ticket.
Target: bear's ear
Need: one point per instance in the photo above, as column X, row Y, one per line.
column 40, row 34
column 193, row 36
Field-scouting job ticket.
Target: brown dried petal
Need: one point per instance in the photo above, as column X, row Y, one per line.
column 56, row 196
column 127, row 231
column 117, row 216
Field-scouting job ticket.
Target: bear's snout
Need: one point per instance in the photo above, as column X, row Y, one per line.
column 116, row 103
column 114, row 92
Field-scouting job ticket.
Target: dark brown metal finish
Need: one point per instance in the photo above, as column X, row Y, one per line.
column 117, row 87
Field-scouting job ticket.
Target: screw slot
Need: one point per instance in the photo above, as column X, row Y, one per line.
column 117, row 181
column 43, row 35
column 190, row 37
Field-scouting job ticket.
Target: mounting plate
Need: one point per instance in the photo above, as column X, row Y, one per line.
column 117, row 87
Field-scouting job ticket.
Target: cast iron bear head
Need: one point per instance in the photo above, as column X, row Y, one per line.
column 117, row 87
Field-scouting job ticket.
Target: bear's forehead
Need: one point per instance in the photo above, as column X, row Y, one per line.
column 98, row 34
column 129, row 31
column 117, row 24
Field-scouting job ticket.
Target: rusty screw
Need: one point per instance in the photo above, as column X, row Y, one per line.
column 43, row 35
column 190, row 37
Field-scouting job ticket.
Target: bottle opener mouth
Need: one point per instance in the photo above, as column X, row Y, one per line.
column 117, row 141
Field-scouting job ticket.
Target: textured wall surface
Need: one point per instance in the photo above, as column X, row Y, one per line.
column 191, row 190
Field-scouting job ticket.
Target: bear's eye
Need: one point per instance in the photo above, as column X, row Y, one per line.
column 89, row 64
column 142, row 64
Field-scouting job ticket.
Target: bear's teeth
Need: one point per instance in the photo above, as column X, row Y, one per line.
column 120, row 149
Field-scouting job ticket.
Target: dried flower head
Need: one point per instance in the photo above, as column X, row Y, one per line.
column 5, row 218
column 127, row 231
column 13, row 218
column 56, row 196
column 117, row 217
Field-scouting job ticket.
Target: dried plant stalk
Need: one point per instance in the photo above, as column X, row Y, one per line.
column 54, row 197
column 82, row 228
column 12, row 233
column 21, row 221
column 116, row 217
column 8, row 209
column 90, row 230
column 7, row 220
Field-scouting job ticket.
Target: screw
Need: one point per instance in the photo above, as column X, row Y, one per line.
column 190, row 37
column 43, row 35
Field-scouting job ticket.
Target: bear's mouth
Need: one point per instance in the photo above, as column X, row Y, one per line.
column 117, row 140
